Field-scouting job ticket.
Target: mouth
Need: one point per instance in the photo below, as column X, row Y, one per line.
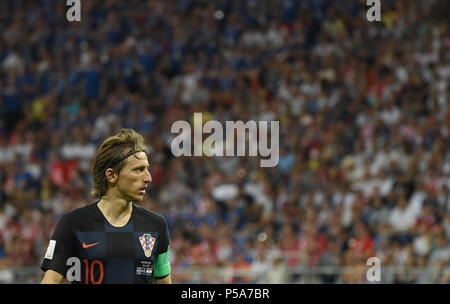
column 142, row 190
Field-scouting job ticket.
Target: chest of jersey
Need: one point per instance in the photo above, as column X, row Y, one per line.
column 117, row 256
column 98, row 245
column 85, row 242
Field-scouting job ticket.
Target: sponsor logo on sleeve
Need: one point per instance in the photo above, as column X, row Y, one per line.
column 50, row 250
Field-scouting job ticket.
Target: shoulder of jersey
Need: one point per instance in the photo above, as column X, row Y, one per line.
column 81, row 211
column 150, row 214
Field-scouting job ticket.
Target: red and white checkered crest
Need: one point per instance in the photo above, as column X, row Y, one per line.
column 147, row 243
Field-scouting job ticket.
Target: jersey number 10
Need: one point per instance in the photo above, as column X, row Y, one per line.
column 74, row 272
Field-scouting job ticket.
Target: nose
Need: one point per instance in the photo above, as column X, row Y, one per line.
column 148, row 177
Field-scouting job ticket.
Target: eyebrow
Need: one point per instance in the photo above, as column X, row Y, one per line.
column 138, row 166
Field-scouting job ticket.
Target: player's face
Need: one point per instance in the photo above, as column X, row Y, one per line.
column 134, row 177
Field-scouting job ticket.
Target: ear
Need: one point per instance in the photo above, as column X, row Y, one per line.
column 111, row 175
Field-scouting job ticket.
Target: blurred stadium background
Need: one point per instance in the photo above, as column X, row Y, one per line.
column 364, row 164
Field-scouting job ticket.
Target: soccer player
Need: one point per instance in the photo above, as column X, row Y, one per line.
column 113, row 240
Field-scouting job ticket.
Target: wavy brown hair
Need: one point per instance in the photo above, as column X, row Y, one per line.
column 113, row 154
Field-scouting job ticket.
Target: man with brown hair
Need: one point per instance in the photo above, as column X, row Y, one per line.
column 112, row 240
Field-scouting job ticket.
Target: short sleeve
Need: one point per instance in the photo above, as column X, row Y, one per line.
column 162, row 263
column 60, row 248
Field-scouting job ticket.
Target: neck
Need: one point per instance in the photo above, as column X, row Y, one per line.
column 117, row 211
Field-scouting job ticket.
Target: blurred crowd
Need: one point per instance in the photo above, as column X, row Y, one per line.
column 364, row 168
